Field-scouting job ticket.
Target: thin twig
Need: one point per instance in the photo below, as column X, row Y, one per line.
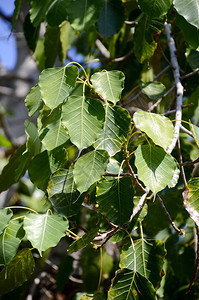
column 183, row 129
column 179, row 87
column 122, row 58
column 139, row 206
column 116, row 175
column 173, row 111
column 131, row 23
column 162, row 72
column 190, row 163
column 196, row 264
column 134, row 176
column 180, row 231
column 102, row 49
column 159, row 100
column 106, row 235
column 190, row 74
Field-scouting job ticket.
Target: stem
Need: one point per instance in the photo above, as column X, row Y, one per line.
column 139, row 206
column 101, row 270
column 181, row 163
column 23, row 207
column 76, row 63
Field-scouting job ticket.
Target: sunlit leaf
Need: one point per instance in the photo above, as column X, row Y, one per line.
column 17, row 271
column 83, row 241
column 33, row 100
column 155, row 8
column 155, row 167
column 89, row 168
column 195, row 131
column 5, row 216
column 44, row 230
column 108, row 84
column 33, row 143
column 189, row 10
column 37, row 11
column 56, row 84
column 67, row 35
column 159, row 128
column 154, row 89
column 84, row 118
column 4, row 142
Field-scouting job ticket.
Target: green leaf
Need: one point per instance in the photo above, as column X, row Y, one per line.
column 154, row 89
column 95, row 296
column 31, row 33
column 83, row 241
column 4, row 142
column 33, row 143
column 195, row 132
column 108, row 84
column 190, row 32
column 175, row 178
column 10, row 240
column 51, row 45
column 54, row 134
column 17, row 271
column 130, row 285
column 155, row 167
column 15, row 169
column 63, row 193
column 144, row 46
column 111, row 18
column 193, row 59
column 145, row 257
column 159, row 128
column 84, row 13
column 39, row 170
column 38, row 10
column 58, row 157
column 193, row 194
column 5, row 216
column 44, row 230
column 89, row 168
column 39, row 54
column 67, row 35
column 115, row 199
column 189, row 10
column 33, row 100
column 84, row 118
column 57, row 12
column 56, row 84
column 155, row 8
column 18, row 4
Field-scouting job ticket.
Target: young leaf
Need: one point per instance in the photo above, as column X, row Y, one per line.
column 155, row 167
column 145, row 257
column 33, row 100
column 83, row 241
column 33, row 144
column 189, row 10
column 10, row 240
column 108, row 84
column 89, row 168
column 17, row 271
column 84, row 13
column 54, row 134
column 5, row 216
column 155, row 8
column 56, row 84
column 129, row 285
column 44, row 230
column 159, row 128
column 116, row 127
column 84, row 118
column 154, row 89
column 195, row 131
column 115, row 199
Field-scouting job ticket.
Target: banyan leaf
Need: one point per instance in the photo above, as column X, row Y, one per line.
column 17, row 271
column 33, row 144
column 130, row 285
column 44, row 230
column 54, row 134
column 189, row 10
column 155, row 8
column 155, row 167
column 10, row 240
column 5, row 216
column 154, row 89
column 145, row 257
column 84, row 13
column 115, row 199
column 56, row 84
column 108, row 84
column 83, row 241
column 116, row 127
column 195, row 132
column 159, row 128
column 89, row 168
column 33, row 100
column 84, row 119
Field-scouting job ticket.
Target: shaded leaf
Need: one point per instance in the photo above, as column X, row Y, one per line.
column 58, row 157
column 116, row 127
column 5, row 216
column 44, row 230
column 38, row 10
column 189, row 10
column 10, row 240
column 84, row 13
column 84, row 118
column 56, row 84
column 18, row 4
column 67, row 35
column 31, row 33
column 89, row 168
column 17, row 271
column 145, row 257
column 83, row 241
column 33, row 143
column 108, row 84
column 130, row 285
column 111, row 18
column 33, row 100
column 190, row 32
column 195, row 131
column 155, row 167
column 155, row 8
column 154, row 89
column 51, row 45
column 159, row 128
column 57, row 12
column 39, row 54
column 193, row 59
column 115, row 199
